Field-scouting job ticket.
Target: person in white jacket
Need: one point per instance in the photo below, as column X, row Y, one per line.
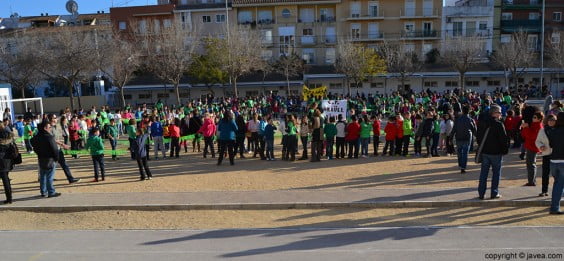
column 542, row 141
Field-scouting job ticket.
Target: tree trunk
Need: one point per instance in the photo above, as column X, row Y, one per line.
column 23, row 97
column 287, row 86
column 461, row 79
column 177, row 91
column 235, row 87
column 71, row 95
column 122, row 96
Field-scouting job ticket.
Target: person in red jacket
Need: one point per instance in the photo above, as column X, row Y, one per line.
column 510, row 124
column 353, row 137
column 174, row 132
column 399, row 134
column 74, row 137
column 376, row 124
column 208, row 129
column 391, row 134
column 529, row 132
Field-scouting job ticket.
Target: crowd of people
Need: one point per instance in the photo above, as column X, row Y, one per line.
column 446, row 124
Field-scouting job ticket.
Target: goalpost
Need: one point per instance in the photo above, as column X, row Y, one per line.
column 10, row 103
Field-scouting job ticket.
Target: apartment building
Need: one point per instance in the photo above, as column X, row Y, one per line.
column 206, row 17
column 470, row 18
column 416, row 22
column 134, row 20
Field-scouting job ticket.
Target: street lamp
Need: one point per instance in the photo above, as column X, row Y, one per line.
column 542, row 44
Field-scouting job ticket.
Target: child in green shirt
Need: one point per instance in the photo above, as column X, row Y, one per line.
column 95, row 145
column 27, row 135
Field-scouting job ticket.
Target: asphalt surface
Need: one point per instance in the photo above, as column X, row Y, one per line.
column 411, row 243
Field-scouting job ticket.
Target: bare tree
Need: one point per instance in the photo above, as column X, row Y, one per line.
column 169, row 52
column 399, row 60
column 462, row 53
column 266, row 66
column 556, row 52
column 358, row 63
column 242, row 52
column 17, row 60
column 289, row 65
column 119, row 58
column 66, row 53
column 515, row 57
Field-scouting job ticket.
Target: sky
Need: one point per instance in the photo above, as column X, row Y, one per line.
column 36, row 7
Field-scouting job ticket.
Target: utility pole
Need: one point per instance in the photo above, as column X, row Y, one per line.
column 542, row 44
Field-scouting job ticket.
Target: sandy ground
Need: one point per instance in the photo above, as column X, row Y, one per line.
column 191, row 172
column 212, row 219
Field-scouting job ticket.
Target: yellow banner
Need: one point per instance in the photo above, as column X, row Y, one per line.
column 319, row 92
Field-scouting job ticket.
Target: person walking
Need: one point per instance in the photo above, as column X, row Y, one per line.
column 8, row 148
column 556, row 139
column 95, row 145
column 542, row 141
column 141, row 155
column 47, row 152
column 227, row 129
column 496, row 144
column 463, row 131
column 56, row 131
column 529, row 132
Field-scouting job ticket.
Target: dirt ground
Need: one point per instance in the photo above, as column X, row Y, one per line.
column 331, row 218
column 191, row 172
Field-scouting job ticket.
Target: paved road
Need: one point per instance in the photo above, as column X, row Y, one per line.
column 424, row 243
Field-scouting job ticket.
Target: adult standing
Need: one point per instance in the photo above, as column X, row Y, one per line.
column 57, row 132
column 227, row 129
column 542, row 140
column 464, row 129
column 7, row 147
column 317, row 137
column 529, row 132
column 157, row 135
column 556, row 139
column 47, row 152
column 141, row 154
column 496, row 144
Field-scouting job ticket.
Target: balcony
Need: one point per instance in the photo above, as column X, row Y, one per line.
column 308, row 40
column 415, row 35
column 331, row 39
column 366, row 16
column 468, row 33
column 368, row 37
column 521, row 4
column 518, row 25
column 419, row 13
column 326, row 19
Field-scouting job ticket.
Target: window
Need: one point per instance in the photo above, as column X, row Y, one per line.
column 505, row 38
column 373, row 9
column 330, row 36
column 167, row 23
column 326, row 15
column 220, row 18
column 506, row 16
column 355, row 9
column 409, row 47
column 127, row 96
column 355, row 31
column 307, row 32
column 314, row 85
column 266, row 55
column 431, row 84
column 287, row 39
column 532, row 42
column 426, row 49
column 483, row 26
column 307, row 15
column 206, row 19
column 427, row 29
column 265, row 16
column 340, row 85
column 330, row 55
column 377, row 85
column 354, row 85
column 122, row 25
column 493, row 83
column 555, row 39
column 557, row 16
column 286, row 13
column 409, row 29
column 183, row 2
column 266, row 36
column 473, row 83
column 142, row 26
column 244, row 17
column 308, row 55
column 451, row 84
column 163, row 95
column 307, row 36
column 144, row 96
column 534, row 16
column 457, row 28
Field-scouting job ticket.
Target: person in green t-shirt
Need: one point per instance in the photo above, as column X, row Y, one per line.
column 365, row 130
column 291, row 139
column 330, row 131
column 27, row 135
column 95, row 145
column 407, row 132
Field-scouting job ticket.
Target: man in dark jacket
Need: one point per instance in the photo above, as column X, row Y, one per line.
column 464, row 129
column 496, row 144
column 47, row 152
column 556, row 139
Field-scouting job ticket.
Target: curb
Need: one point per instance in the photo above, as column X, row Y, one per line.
column 281, row 206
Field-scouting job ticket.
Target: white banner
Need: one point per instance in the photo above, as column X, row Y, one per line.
column 332, row 108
